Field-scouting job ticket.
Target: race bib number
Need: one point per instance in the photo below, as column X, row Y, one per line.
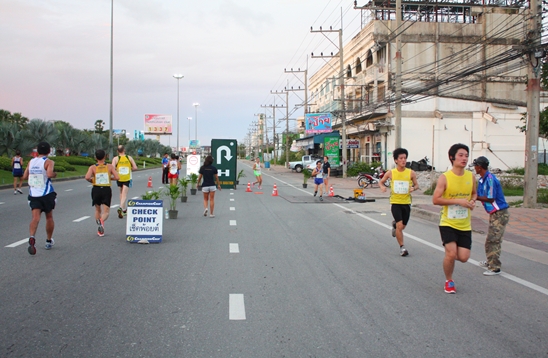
column 36, row 181
column 401, row 187
column 101, row 178
column 457, row 212
column 16, row 165
column 124, row 170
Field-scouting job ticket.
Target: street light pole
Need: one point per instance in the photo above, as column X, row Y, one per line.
column 195, row 104
column 189, row 139
column 111, row 76
column 178, row 77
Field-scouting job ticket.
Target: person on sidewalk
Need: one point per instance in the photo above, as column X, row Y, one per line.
column 17, row 172
column 100, row 175
column 317, row 174
column 326, row 167
column 403, row 182
column 491, row 196
column 125, row 165
column 209, row 173
column 165, row 169
column 42, row 197
column 257, row 173
column 456, row 193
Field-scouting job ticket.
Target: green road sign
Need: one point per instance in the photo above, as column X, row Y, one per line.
column 225, row 153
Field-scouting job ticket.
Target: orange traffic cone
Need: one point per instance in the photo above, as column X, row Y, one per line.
column 275, row 190
column 248, row 190
column 149, row 185
column 331, row 193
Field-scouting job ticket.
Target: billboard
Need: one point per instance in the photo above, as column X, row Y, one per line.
column 158, row 124
column 318, row 123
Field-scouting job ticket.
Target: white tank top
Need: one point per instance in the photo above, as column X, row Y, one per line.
column 39, row 183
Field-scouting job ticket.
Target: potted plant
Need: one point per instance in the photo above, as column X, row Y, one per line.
column 241, row 174
column 183, row 182
column 151, row 195
column 193, row 183
column 173, row 192
column 306, row 175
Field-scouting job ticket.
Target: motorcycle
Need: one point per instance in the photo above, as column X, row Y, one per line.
column 366, row 179
column 421, row 165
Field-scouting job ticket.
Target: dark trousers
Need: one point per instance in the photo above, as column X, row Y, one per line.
column 165, row 180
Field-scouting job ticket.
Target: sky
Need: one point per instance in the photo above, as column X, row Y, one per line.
column 55, row 60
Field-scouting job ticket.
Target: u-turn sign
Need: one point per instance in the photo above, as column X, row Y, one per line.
column 225, row 154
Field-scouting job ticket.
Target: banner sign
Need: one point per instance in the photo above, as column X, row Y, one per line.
column 158, row 124
column 331, row 150
column 352, row 143
column 144, row 221
column 194, row 144
column 192, row 164
column 225, row 155
column 318, row 123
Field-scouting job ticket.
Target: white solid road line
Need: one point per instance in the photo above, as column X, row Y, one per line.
column 234, row 248
column 80, row 219
column 21, row 242
column 236, row 307
column 232, row 222
column 518, row 280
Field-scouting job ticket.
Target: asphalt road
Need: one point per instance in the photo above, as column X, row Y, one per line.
column 282, row 276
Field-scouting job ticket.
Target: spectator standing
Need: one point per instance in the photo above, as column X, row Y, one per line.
column 491, row 196
column 165, row 169
column 326, row 167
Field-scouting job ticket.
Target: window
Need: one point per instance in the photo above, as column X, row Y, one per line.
column 358, row 65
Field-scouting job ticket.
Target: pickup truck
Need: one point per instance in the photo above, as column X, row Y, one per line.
column 303, row 163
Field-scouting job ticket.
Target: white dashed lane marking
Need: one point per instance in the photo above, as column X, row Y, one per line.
column 236, row 307
column 80, row 219
column 231, row 199
column 20, row 242
column 234, row 248
column 232, row 208
column 232, row 222
column 68, row 190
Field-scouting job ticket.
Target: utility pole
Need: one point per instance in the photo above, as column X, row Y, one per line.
column 341, row 85
column 397, row 119
column 534, row 54
column 305, row 105
column 273, row 107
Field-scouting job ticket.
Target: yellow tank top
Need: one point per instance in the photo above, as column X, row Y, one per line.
column 124, row 168
column 458, row 187
column 399, row 186
column 101, row 177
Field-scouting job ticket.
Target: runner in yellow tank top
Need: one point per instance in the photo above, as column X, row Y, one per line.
column 456, row 193
column 403, row 182
column 125, row 165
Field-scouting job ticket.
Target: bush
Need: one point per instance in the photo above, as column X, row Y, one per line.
column 361, row 167
column 59, row 161
column 74, row 160
column 5, row 163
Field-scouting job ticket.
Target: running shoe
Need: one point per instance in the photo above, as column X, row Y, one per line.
column 211, row 216
column 49, row 244
column 19, row 191
column 125, row 213
column 450, row 287
column 393, row 228
column 315, row 193
column 260, row 187
column 403, row 251
column 321, row 199
column 253, row 185
column 483, row 264
column 120, row 213
column 205, row 212
column 15, row 192
column 32, row 249
column 491, row 272
column 101, row 227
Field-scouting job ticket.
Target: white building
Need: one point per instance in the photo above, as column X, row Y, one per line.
column 463, row 81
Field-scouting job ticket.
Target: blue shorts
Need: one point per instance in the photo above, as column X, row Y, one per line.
column 318, row 181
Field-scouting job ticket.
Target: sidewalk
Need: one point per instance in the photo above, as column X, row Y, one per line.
column 527, row 227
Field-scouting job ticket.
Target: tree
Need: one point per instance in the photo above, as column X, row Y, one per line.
column 16, row 118
column 38, row 131
column 99, row 126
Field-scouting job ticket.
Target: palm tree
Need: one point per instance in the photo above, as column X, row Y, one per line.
column 38, row 131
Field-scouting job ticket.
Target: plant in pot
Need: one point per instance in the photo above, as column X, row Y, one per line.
column 241, row 174
column 183, row 183
column 306, row 175
column 151, row 195
column 173, row 192
column 193, row 183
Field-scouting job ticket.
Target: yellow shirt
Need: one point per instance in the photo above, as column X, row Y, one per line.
column 101, row 177
column 458, row 187
column 399, row 186
column 124, row 168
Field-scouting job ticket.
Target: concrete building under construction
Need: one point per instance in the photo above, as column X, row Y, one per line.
column 463, row 80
